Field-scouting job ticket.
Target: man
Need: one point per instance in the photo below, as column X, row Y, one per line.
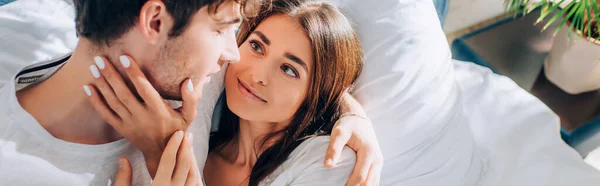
column 51, row 132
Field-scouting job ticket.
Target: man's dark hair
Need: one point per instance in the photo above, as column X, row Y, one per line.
column 102, row 21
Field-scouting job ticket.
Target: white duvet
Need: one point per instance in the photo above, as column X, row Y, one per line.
column 439, row 122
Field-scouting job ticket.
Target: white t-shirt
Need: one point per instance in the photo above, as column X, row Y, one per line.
column 30, row 155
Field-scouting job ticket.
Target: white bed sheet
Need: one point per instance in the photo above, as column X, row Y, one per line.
column 521, row 132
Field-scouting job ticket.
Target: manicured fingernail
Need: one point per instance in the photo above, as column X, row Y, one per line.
column 190, row 86
column 99, row 61
column 122, row 163
column 87, row 90
column 125, row 61
column 95, row 71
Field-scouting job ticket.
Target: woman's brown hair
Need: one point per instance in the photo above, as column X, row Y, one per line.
column 337, row 55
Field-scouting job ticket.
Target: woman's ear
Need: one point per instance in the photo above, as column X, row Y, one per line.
column 154, row 21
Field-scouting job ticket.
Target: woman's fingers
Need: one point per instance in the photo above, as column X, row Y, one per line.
column 123, row 177
column 116, row 82
column 190, row 99
column 169, row 157
column 113, row 102
column 194, row 173
column 184, row 160
column 105, row 113
column 142, row 85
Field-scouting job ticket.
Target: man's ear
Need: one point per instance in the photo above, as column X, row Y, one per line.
column 154, row 21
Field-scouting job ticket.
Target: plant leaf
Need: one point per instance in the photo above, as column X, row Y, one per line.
column 545, row 13
column 564, row 21
column 569, row 17
column 556, row 16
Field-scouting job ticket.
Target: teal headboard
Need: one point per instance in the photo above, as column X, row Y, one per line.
column 3, row 2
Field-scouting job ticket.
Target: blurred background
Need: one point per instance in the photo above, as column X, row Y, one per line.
column 549, row 48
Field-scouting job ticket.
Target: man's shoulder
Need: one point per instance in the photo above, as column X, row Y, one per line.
column 5, row 98
column 210, row 98
column 212, row 90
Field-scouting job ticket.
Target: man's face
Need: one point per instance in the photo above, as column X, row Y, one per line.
column 207, row 43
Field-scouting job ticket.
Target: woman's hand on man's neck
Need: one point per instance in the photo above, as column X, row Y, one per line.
column 61, row 106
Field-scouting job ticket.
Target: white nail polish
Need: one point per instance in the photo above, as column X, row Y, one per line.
column 190, row 86
column 95, row 71
column 99, row 61
column 125, row 61
column 87, row 90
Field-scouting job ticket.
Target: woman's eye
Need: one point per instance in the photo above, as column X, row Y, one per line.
column 289, row 71
column 256, row 47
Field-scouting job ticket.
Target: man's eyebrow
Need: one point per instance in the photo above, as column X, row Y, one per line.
column 296, row 59
column 262, row 37
column 230, row 22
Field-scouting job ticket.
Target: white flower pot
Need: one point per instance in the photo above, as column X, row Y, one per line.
column 574, row 62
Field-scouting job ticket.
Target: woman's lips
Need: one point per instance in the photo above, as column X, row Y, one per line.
column 246, row 92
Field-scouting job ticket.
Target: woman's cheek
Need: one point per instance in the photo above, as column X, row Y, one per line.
column 294, row 99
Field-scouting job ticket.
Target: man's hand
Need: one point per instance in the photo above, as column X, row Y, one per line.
column 147, row 124
column 177, row 166
column 356, row 131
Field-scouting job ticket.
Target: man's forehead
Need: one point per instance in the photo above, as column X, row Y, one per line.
column 229, row 21
column 228, row 13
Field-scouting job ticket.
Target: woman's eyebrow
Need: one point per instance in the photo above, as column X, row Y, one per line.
column 296, row 59
column 262, row 37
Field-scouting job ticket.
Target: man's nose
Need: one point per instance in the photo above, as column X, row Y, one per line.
column 231, row 52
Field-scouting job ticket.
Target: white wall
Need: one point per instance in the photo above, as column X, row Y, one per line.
column 465, row 13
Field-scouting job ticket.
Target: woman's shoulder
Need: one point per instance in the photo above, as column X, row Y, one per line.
column 315, row 148
column 305, row 165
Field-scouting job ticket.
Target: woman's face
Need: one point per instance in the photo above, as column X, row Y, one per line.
column 271, row 80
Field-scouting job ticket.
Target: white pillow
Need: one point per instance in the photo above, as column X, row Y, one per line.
column 408, row 90
column 34, row 31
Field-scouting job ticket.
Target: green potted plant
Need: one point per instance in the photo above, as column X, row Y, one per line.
column 573, row 63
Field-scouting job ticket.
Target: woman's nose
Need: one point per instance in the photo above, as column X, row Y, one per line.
column 259, row 73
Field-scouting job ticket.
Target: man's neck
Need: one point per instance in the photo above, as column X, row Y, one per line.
column 61, row 106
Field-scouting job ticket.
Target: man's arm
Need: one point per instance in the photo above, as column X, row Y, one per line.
column 355, row 130
column 351, row 105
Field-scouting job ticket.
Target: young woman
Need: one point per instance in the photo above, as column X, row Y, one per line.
column 296, row 60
